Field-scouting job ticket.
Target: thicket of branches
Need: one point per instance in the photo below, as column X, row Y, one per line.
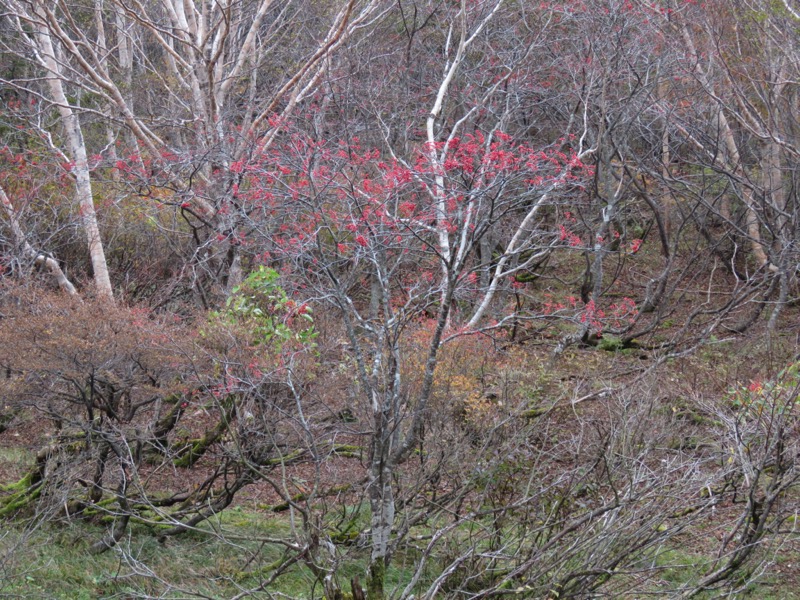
column 297, row 246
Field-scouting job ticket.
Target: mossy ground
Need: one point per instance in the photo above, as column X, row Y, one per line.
column 225, row 557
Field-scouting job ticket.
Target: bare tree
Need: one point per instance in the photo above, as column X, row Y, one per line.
column 32, row 28
column 525, row 161
column 39, row 258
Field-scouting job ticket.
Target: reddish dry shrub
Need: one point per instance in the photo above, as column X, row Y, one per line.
column 89, row 387
column 64, row 358
column 150, row 413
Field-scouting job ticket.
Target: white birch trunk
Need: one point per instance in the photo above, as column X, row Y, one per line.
column 751, row 215
column 39, row 258
column 76, row 149
column 733, row 160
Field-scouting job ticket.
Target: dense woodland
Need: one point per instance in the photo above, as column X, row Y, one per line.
column 473, row 298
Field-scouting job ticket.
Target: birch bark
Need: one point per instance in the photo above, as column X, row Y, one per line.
column 76, row 149
column 39, row 258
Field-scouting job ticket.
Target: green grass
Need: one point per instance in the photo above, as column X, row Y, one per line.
column 14, row 456
column 224, row 557
column 681, row 567
column 229, row 554
column 53, row 562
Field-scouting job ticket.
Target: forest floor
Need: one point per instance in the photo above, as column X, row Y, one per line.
column 49, row 560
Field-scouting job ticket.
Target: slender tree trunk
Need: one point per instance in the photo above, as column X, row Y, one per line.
column 382, row 508
column 733, row 162
column 751, row 216
column 771, row 169
column 40, row 258
column 76, row 148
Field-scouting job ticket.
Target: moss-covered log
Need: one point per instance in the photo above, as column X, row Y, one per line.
column 284, row 506
column 25, row 491
column 194, row 450
column 176, row 404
